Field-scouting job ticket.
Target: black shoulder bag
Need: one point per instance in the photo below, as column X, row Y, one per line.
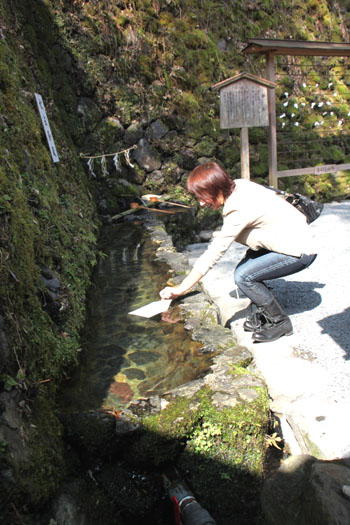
column 310, row 208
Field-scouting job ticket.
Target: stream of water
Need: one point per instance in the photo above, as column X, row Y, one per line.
column 125, row 357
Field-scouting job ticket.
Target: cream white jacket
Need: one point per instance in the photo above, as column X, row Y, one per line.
column 258, row 218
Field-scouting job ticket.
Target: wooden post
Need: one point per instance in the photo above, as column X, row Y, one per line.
column 270, row 71
column 245, row 172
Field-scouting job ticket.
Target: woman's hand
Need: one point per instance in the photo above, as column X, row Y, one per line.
column 170, row 292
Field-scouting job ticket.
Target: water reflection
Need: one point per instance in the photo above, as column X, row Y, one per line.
column 125, row 357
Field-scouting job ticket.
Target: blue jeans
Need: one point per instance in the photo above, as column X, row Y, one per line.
column 262, row 265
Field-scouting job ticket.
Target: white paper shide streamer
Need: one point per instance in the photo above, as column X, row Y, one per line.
column 104, row 166
column 103, row 161
column 116, row 161
column 90, row 164
column 127, row 158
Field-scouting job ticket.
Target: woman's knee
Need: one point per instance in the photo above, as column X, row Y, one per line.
column 242, row 279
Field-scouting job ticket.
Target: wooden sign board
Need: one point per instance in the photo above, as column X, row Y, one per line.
column 243, row 104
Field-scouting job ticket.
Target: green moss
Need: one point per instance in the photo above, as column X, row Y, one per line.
column 115, row 192
column 92, row 433
column 241, row 440
column 226, row 449
column 313, row 449
column 207, row 219
column 7, row 81
column 259, row 166
column 206, row 147
column 233, row 437
column 193, row 128
column 38, row 228
column 257, row 135
column 40, row 475
column 164, row 434
column 179, row 193
column 333, row 154
column 208, row 318
column 47, row 218
column 229, row 155
column 187, row 103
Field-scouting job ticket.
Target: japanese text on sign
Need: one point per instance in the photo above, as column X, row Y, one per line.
column 243, row 104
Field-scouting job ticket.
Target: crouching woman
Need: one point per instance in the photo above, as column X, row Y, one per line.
column 276, row 234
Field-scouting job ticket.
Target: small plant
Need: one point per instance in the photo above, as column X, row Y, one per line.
column 4, row 200
column 272, row 440
column 3, row 446
column 8, row 382
column 204, row 437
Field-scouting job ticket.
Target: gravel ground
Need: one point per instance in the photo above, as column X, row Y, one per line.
column 308, row 374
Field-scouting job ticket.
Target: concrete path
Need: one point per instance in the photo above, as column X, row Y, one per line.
column 308, row 373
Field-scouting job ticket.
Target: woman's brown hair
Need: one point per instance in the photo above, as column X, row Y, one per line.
column 208, row 181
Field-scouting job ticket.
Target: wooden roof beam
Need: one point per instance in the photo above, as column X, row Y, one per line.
column 260, row 46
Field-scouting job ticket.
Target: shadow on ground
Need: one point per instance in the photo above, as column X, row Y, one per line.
column 294, row 296
column 337, row 326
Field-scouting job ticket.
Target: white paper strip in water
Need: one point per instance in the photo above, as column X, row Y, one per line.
column 151, row 309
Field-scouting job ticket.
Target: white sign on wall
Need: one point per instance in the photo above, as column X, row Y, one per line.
column 47, row 129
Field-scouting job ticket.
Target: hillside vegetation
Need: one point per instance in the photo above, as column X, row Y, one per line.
column 115, row 74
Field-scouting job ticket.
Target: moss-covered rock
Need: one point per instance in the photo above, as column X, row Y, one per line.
column 206, row 147
column 37, row 464
column 164, row 434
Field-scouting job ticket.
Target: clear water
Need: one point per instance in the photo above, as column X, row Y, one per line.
column 126, row 357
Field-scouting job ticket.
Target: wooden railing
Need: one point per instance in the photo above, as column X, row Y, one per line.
column 315, row 170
